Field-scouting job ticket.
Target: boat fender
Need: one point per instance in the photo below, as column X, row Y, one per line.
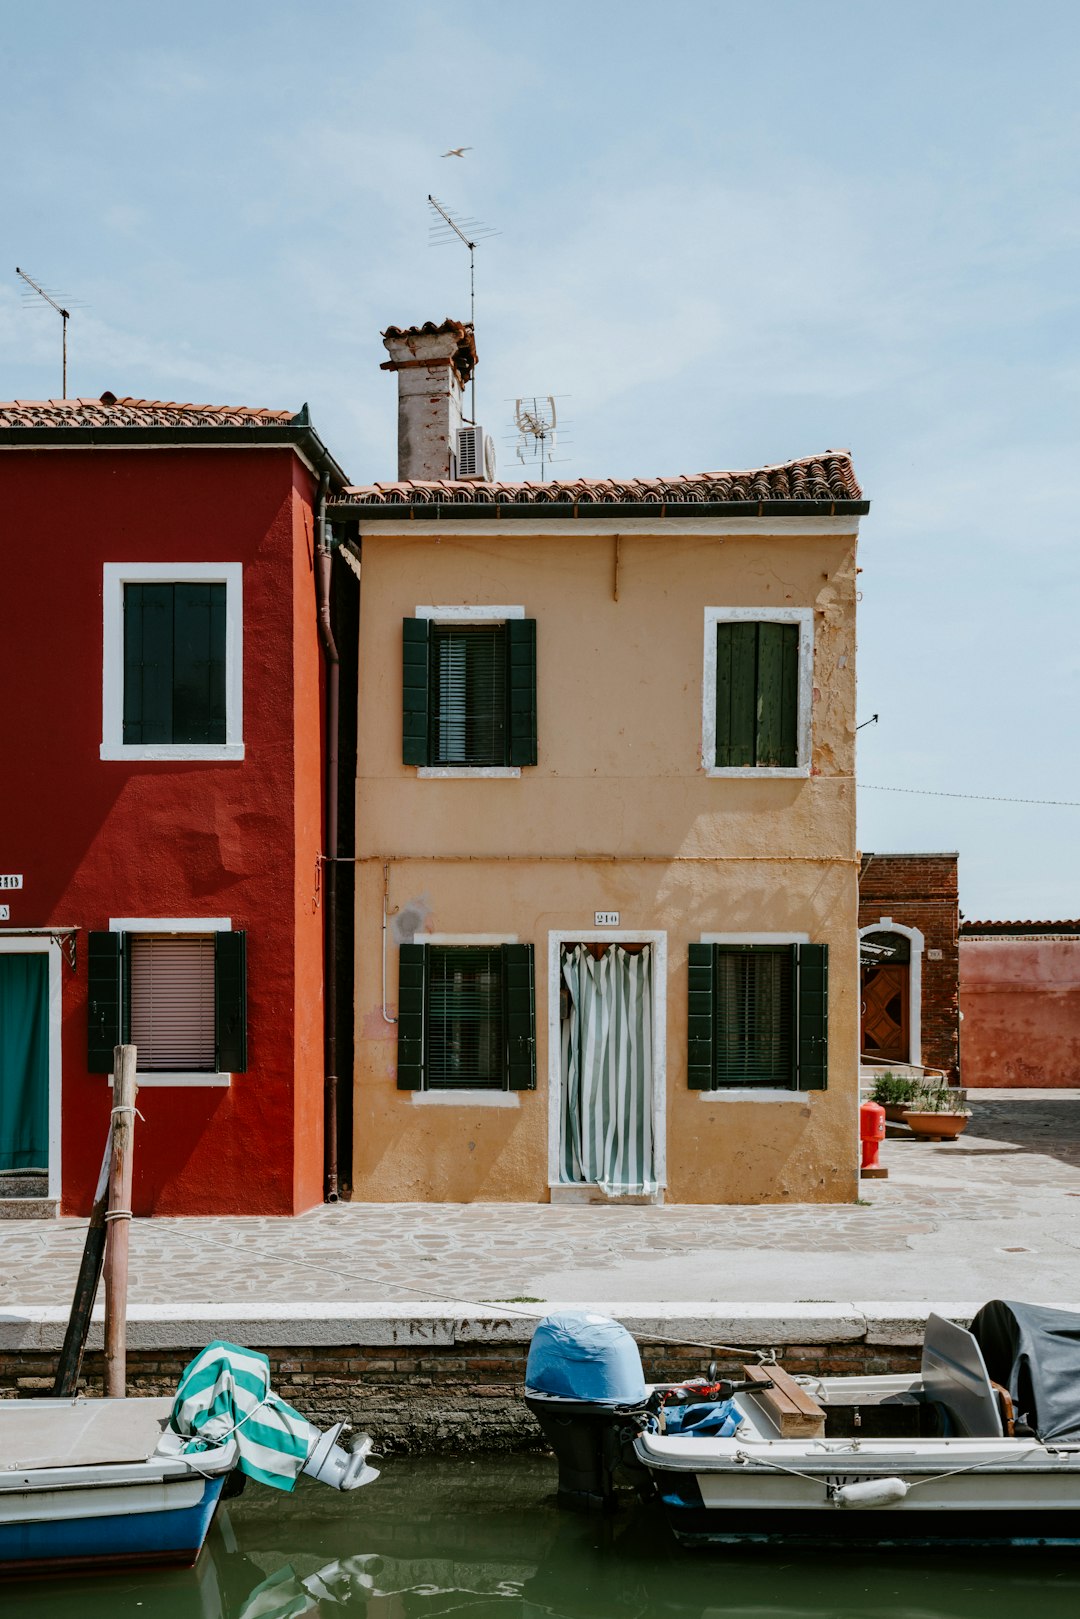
column 870, row 1492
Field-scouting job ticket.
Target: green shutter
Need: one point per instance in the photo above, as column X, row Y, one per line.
column 519, row 990
column 777, row 694
column 148, row 665
column 699, row 1031
column 521, row 637
column 412, row 959
column 103, row 1001
column 812, row 970
column 198, row 666
column 736, row 693
column 414, row 691
column 230, row 1002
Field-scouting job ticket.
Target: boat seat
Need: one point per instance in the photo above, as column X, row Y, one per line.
column 954, row 1376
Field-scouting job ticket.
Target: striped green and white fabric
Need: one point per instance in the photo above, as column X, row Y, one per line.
column 607, row 1137
column 225, row 1394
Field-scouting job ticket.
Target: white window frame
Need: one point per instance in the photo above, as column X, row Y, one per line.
column 569, row 1192
column 917, row 940
column 25, row 944
column 478, row 1096
column 804, row 618
column 468, row 615
column 756, row 1093
column 199, row 1079
column 116, row 576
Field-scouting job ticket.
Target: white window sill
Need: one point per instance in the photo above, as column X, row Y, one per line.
column 465, row 1098
column 187, row 1081
column 173, row 752
column 753, row 1093
column 758, row 772
column 468, row 772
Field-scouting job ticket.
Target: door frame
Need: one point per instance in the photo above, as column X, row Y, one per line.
column 885, row 924
column 29, row 944
column 656, row 937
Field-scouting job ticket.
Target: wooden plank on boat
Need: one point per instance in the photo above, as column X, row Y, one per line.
column 793, row 1412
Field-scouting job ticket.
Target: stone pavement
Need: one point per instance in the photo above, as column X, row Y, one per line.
column 996, row 1213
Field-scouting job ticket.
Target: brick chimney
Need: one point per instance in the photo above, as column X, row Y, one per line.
column 433, row 364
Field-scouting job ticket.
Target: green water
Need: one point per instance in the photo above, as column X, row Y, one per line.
column 485, row 1540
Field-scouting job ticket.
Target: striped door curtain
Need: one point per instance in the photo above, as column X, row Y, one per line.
column 607, row 1138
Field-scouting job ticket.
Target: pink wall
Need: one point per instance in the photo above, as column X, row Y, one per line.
column 1020, row 1000
column 110, row 838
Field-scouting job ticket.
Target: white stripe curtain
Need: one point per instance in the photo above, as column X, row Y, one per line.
column 607, row 1069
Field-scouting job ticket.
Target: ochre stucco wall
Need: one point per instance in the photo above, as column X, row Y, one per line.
column 1021, row 1004
column 619, row 774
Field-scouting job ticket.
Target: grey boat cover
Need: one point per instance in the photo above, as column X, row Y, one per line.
column 1034, row 1352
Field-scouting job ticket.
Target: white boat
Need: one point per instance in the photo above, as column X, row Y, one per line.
column 950, row 1456
column 100, row 1484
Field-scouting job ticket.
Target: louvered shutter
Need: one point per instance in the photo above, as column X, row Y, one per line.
column 464, row 1018
column 414, row 690
column 736, row 693
column 103, row 1001
column 754, row 1028
column 521, row 641
column 410, row 1039
column 469, row 713
column 699, row 1031
column 519, row 987
column 812, row 970
column 230, row 1001
column 776, row 742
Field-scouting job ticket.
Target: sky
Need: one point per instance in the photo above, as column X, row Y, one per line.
column 729, row 234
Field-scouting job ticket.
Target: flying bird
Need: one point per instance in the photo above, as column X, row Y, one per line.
column 457, row 151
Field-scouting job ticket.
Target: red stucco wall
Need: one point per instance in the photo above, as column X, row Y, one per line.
column 98, row 839
column 1021, row 1004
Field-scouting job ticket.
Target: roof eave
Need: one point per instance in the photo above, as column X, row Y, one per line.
column 302, row 439
column 545, row 511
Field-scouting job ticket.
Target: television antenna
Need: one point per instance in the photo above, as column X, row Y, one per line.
column 536, row 419
column 52, row 299
column 445, row 227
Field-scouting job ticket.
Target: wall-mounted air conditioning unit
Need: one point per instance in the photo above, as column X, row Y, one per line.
column 475, row 454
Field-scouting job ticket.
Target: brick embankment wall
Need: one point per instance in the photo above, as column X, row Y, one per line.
column 429, row 1398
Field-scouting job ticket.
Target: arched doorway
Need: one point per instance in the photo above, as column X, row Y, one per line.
column 887, row 999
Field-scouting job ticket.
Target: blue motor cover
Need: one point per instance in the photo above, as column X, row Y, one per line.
column 580, row 1356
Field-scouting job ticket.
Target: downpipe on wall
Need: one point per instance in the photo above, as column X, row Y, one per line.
column 324, row 561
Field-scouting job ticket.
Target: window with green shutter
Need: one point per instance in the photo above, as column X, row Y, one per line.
column 174, row 663
column 758, row 1016
column 469, row 693
column 757, row 694
column 466, row 1017
column 180, row 998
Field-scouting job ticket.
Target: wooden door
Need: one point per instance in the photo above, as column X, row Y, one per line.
column 885, row 1021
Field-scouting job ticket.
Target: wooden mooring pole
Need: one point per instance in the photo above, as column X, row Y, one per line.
column 118, row 1221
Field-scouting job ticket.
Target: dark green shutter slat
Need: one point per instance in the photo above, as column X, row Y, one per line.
column 699, row 1033
column 521, row 638
column 519, row 981
column 410, row 1039
column 736, row 693
column 230, row 1002
column 414, row 690
column 812, row 967
column 148, row 663
column 103, row 1000
column 777, row 694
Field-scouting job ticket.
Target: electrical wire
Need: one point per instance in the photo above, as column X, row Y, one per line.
column 986, row 798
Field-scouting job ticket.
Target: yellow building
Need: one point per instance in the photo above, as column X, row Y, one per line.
column 606, row 913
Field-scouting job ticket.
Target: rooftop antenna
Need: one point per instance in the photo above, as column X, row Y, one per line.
column 445, row 227
column 536, row 420
column 64, row 314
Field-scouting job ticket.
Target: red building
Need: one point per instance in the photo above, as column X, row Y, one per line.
column 162, row 825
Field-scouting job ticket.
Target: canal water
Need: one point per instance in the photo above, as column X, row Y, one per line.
column 484, row 1540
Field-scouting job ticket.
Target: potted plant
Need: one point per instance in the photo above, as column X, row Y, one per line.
column 895, row 1093
column 937, row 1112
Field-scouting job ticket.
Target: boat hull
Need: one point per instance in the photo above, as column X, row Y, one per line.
column 161, row 1525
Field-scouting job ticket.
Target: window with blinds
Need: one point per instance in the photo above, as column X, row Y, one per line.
column 465, row 1038
column 174, row 663
column 171, row 1006
column 468, row 704
column 755, row 1016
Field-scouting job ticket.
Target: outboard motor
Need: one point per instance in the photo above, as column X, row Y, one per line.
column 585, row 1386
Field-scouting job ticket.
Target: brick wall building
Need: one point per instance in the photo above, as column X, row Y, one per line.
column 909, row 907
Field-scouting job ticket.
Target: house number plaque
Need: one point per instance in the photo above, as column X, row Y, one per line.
column 5, row 913
column 11, row 880
column 605, row 919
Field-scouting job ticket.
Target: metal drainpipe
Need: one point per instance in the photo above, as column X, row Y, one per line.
column 323, row 566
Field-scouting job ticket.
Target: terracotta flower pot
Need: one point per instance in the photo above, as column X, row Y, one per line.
column 937, row 1126
column 896, row 1112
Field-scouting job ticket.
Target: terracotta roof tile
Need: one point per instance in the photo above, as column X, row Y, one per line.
column 110, row 411
column 828, row 477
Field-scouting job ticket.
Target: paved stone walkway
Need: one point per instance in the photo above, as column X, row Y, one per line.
column 995, row 1213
